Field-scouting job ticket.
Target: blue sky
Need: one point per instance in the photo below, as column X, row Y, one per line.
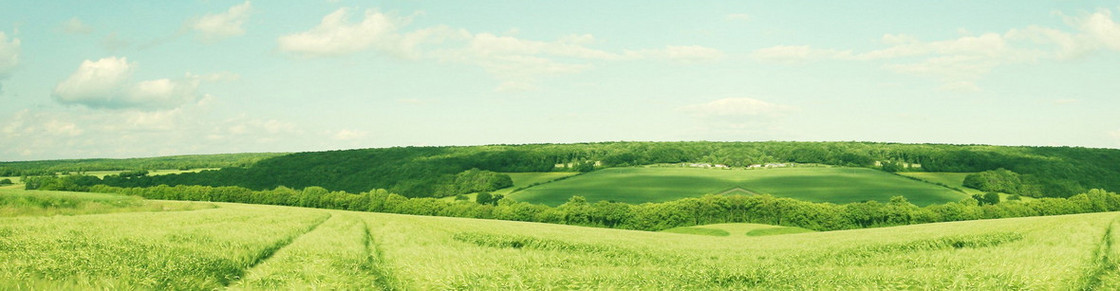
column 84, row 79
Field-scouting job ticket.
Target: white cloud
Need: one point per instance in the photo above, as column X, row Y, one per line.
column 79, row 132
column 216, row 27
column 75, row 26
column 798, row 53
column 959, row 62
column 347, row 134
column 1100, row 28
column 516, row 62
column 106, row 83
column 678, row 53
column 335, row 35
column 737, row 107
column 9, row 55
column 737, row 17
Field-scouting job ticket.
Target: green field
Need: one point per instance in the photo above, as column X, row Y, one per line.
column 240, row 246
column 727, row 229
column 659, row 184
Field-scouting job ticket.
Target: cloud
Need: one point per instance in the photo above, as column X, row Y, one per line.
column 335, row 35
column 737, row 17
column 347, row 134
column 79, row 132
column 737, row 107
column 9, row 55
column 799, row 53
column 516, row 62
column 959, row 62
column 216, row 27
column 678, row 53
column 75, row 26
column 106, row 83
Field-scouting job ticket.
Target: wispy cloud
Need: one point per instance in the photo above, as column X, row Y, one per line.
column 516, row 62
column 737, row 107
column 107, row 83
column 75, row 26
column 216, row 27
column 959, row 62
column 9, row 55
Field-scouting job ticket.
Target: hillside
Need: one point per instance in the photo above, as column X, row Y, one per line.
column 183, row 162
column 241, row 246
column 422, row 171
column 658, row 184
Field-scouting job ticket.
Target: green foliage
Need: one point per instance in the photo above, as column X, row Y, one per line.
column 61, row 183
column 422, row 171
column 487, row 198
column 998, row 180
column 6, row 181
column 986, row 198
column 708, row 209
column 475, row 180
column 51, row 167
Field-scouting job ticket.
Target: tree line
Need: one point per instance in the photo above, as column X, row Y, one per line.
column 185, row 162
column 648, row 216
column 426, row 171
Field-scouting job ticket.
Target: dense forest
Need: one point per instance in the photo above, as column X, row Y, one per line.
column 185, row 162
column 430, row 171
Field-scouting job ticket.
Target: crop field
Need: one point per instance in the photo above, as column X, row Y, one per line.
column 524, row 180
column 659, row 184
column 18, row 202
column 728, row 229
column 240, row 246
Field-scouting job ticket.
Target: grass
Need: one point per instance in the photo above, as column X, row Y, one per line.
column 727, row 229
column 529, row 179
column 777, row 231
column 954, row 180
column 269, row 247
column 333, row 256
column 17, row 202
column 203, row 249
column 659, row 184
column 522, row 181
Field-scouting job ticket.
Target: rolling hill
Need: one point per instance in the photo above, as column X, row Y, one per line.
column 240, row 246
column 658, row 184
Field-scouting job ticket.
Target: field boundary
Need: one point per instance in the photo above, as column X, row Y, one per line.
column 375, row 261
column 1102, row 263
column 738, row 189
column 267, row 253
column 545, row 182
column 958, row 190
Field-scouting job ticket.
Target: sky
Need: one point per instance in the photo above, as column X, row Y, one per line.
column 97, row 79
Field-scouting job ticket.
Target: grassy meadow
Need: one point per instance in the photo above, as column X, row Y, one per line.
column 659, row 184
column 728, row 229
column 240, row 246
column 18, row 202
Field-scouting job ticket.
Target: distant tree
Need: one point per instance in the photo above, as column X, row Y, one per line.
column 487, row 198
column 6, row 182
column 990, row 198
column 584, row 166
